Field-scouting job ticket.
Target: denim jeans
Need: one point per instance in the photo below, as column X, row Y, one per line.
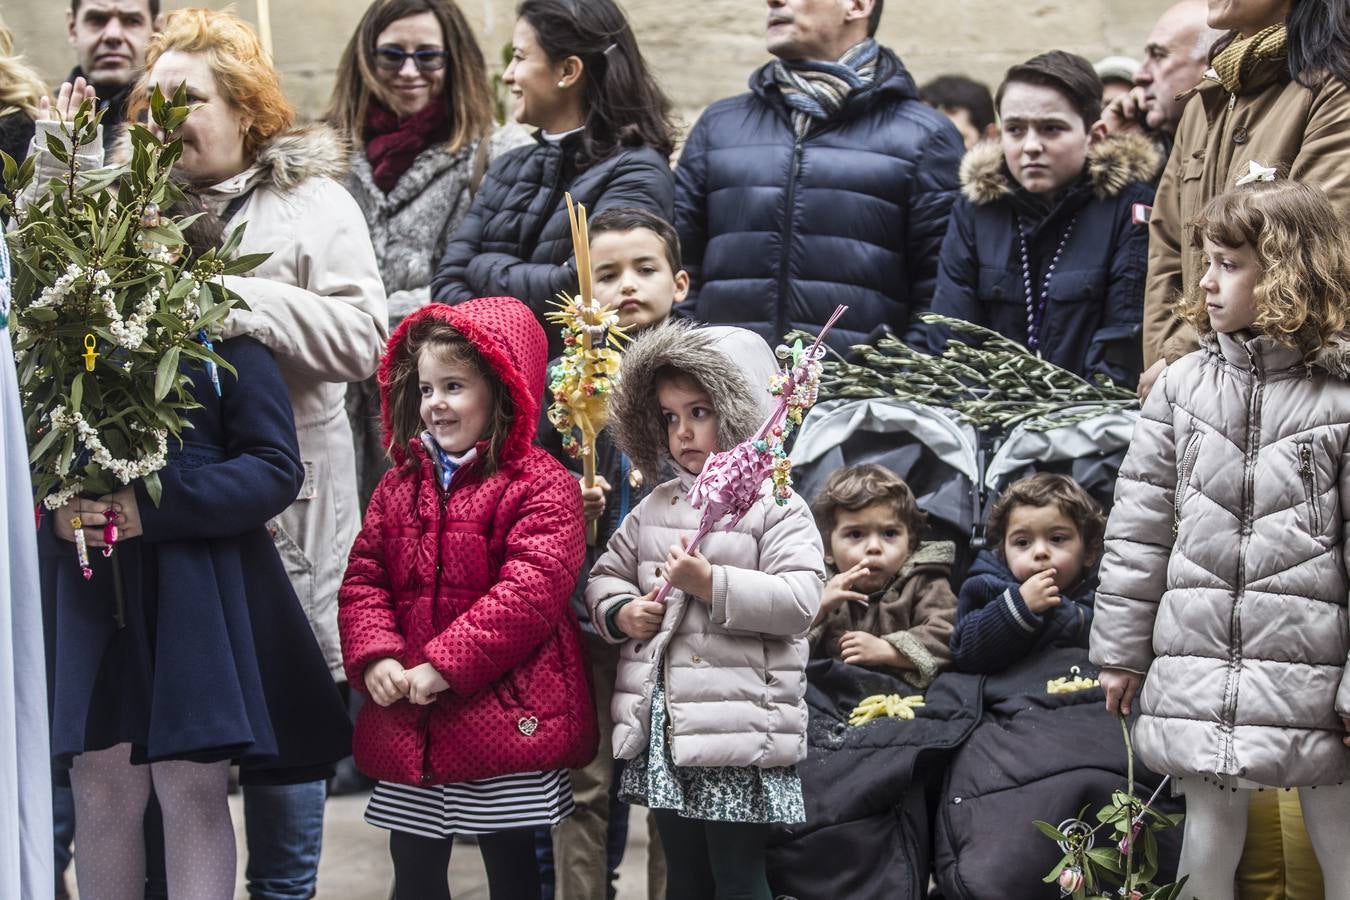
column 283, row 825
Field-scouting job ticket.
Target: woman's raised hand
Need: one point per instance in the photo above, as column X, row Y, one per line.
column 68, row 101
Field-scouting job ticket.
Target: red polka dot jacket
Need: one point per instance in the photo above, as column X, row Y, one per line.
column 474, row 580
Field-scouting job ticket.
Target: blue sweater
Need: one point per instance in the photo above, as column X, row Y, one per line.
column 995, row 628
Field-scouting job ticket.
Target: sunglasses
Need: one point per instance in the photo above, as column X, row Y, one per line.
column 391, row 59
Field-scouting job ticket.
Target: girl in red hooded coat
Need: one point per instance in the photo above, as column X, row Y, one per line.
column 454, row 610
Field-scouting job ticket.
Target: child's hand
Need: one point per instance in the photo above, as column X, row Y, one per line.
column 690, row 573
column 94, row 516
column 1039, row 592
column 862, row 649
column 640, row 619
column 1120, row 686
column 839, row 589
column 424, row 683
column 387, row 681
column 593, row 498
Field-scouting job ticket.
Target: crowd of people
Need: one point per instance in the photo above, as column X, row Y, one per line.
column 369, row 568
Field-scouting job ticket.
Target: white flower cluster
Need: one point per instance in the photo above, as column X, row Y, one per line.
column 124, row 470
column 54, row 295
column 64, row 496
column 131, row 331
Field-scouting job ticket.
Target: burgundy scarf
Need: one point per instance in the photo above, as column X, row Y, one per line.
column 392, row 145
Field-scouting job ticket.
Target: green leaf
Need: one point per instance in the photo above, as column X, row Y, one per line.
column 153, row 487
column 1050, row 831
column 245, row 262
column 1054, row 873
column 42, row 446
column 77, row 393
column 1107, row 858
column 57, row 148
column 166, row 373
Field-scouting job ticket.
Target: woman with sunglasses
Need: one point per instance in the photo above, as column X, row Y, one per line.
column 604, row 136
column 412, row 96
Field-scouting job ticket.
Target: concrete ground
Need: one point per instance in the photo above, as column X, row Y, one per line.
column 355, row 863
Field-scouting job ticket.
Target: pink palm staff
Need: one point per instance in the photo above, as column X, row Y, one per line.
column 731, row 481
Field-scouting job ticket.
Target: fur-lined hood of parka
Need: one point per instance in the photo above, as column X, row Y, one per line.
column 732, row 364
column 1112, row 164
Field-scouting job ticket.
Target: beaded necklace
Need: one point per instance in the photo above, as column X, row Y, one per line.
column 1036, row 304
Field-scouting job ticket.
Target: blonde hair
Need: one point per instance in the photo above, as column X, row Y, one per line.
column 465, row 91
column 244, row 74
column 20, row 86
column 1302, row 297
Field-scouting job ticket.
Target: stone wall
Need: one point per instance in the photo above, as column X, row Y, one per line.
column 701, row 49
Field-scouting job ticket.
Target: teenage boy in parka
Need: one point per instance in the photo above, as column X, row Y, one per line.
column 1048, row 245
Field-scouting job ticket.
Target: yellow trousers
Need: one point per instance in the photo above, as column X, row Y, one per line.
column 1278, row 862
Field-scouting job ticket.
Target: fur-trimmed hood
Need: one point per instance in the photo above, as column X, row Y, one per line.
column 1112, row 164
column 733, row 365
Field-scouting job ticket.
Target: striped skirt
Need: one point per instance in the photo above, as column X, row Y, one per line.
column 531, row 799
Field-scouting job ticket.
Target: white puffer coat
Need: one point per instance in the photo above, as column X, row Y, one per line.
column 733, row 663
column 1224, row 578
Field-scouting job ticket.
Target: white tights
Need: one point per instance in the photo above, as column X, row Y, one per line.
column 1216, row 827
column 110, row 799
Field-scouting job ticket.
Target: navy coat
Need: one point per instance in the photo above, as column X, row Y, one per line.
column 996, row 629
column 217, row 660
column 1094, row 307
column 777, row 231
column 516, row 240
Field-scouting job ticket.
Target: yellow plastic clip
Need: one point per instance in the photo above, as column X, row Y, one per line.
column 90, row 354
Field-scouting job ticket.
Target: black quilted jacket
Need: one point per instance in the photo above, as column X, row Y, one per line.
column 777, row 231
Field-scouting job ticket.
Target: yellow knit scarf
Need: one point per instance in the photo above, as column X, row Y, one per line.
column 1238, row 59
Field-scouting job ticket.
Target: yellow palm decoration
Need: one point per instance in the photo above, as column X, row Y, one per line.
column 582, row 382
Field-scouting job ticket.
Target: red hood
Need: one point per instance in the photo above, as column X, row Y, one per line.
column 508, row 336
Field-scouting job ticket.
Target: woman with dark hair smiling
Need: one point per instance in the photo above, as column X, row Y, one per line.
column 605, row 136
column 1277, row 97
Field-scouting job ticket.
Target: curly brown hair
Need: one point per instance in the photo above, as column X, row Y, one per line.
column 857, row 487
column 1049, row 489
column 405, row 396
column 1300, row 243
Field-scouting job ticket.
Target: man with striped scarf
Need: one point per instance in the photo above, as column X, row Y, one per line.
column 829, row 182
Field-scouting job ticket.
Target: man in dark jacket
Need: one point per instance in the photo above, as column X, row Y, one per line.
column 828, row 183
column 109, row 37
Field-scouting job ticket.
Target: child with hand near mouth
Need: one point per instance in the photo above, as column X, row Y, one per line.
column 1035, row 590
column 889, row 604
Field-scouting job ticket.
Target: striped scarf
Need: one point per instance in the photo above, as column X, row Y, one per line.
column 815, row 89
column 1237, row 60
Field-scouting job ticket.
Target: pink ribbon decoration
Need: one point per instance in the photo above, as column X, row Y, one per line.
column 731, row 481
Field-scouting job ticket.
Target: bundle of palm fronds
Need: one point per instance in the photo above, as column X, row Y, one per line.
column 986, row 379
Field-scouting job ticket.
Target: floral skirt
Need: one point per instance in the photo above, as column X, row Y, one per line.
column 710, row 793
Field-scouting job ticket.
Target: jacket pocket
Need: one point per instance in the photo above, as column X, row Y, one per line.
column 299, row 568
column 1184, row 476
column 1307, row 468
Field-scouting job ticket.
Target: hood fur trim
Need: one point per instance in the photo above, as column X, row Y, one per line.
column 306, row 152
column 733, row 365
column 1112, row 164
column 1335, row 357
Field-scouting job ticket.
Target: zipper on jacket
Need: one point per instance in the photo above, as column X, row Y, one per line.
column 1309, row 473
column 1184, row 478
column 1253, row 431
column 785, row 250
column 435, row 624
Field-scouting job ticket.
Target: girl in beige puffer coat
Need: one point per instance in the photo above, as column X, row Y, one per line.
column 1224, row 582
column 708, row 704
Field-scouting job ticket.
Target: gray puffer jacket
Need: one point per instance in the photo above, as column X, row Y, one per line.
column 1224, row 578
column 734, row 663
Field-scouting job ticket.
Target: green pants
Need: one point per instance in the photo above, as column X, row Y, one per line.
column 722, row 860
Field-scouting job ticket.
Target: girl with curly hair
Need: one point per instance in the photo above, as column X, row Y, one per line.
column 1225, row 577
